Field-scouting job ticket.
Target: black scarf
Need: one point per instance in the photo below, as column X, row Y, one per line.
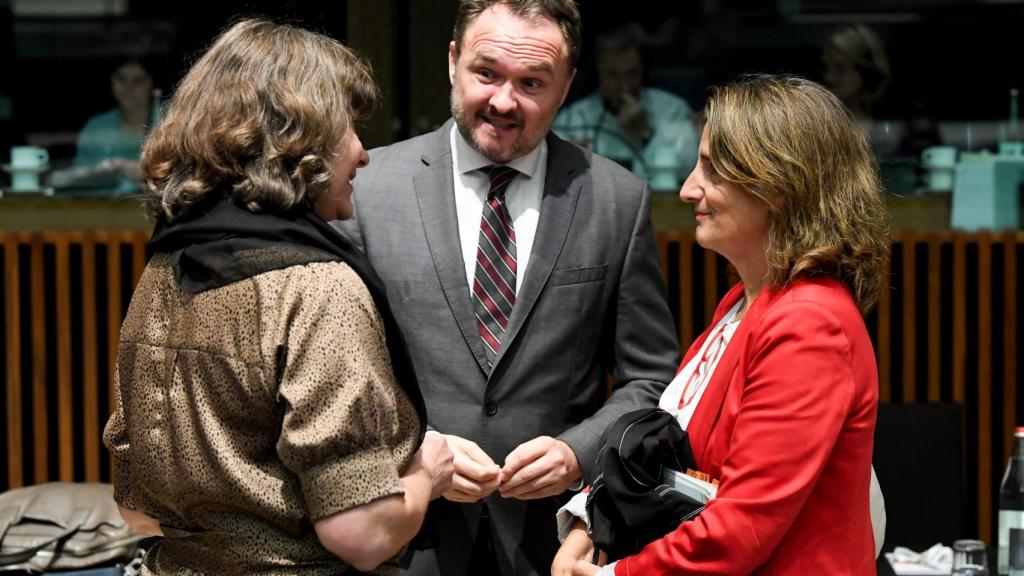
column 222, row 242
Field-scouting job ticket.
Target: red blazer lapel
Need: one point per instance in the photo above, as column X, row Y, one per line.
column 710, row 408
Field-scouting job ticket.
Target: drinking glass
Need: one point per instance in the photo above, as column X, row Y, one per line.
column 969, row 558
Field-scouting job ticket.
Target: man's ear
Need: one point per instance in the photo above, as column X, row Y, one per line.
column 568, row 85
column 452, row 57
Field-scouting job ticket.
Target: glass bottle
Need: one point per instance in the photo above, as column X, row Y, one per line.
column 1011, row 137
column 1011, row 504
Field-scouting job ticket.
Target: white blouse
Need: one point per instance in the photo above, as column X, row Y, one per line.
column 687, row 388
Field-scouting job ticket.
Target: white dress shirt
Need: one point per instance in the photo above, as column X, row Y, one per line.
column 522, row 198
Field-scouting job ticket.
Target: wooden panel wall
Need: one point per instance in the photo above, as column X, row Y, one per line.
column 947, row 330
column 63, row 301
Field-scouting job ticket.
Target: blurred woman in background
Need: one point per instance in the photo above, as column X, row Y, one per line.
column 111, row 141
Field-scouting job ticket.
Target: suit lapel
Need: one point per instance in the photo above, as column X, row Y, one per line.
column 436, row 199
column 562, row 188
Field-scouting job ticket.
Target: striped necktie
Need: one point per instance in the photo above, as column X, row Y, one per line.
column 494, row 282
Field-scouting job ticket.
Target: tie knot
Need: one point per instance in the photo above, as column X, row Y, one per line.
column 500, row 177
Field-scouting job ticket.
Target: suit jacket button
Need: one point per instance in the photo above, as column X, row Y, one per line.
column 490, row 408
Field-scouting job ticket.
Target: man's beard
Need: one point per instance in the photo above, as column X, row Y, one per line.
column 464, row 122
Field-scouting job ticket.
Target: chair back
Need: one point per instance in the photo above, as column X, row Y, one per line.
column 919, row 460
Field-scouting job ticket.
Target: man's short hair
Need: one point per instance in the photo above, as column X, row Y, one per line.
column 564, row 13
column 615, row 41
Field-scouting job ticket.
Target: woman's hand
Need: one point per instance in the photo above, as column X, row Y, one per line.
column 576, row 552
column 584, row 568
column 435, row 459
column 129, row 169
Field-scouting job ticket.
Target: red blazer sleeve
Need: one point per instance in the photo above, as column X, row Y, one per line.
column 791, row 393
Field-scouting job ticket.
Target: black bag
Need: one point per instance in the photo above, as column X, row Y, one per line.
column 60, row 526
column 628, row 504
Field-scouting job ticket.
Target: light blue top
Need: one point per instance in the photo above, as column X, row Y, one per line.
column 102, row 138
column 667, row 157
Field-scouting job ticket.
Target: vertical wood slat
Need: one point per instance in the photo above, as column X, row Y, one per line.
column 933, row 245
column 909, row 306
column 65, row 396
column 1010, row 333
column 710, row 285
column 984, row 384
column 686, row 329
column 12, row 314
column 663, row 258
column 40, row 424
column 959, row 328
column 884, row 337
column 113, row 244
column 138, row 244
column 90, row 362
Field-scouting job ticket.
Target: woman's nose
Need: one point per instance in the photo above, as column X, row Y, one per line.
column 691, row 190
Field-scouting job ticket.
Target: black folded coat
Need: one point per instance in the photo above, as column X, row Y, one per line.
column 629, row 505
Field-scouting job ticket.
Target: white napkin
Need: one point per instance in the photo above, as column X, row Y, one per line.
column 937, row 561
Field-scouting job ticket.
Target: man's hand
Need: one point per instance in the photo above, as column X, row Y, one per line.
column 476, row 475
column 632, row 119
column 577, row 547
column 539, row 468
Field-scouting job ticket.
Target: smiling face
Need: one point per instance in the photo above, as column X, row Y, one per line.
column 336, row 202
column 730, row 220
column 508, row 78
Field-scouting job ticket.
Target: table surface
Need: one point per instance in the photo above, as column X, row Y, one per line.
column 64, row 211
column 884, row 569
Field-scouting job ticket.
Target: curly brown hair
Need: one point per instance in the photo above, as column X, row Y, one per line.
column 791, row 143
column 261, row 116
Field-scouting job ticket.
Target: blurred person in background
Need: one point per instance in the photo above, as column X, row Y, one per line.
column 856, row 69
column 639, row 127
column 268, row 419
column 110, row 143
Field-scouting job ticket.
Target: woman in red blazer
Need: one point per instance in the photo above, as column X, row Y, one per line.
column 783, row 410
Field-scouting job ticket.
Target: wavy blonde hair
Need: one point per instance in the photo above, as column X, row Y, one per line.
column 262, row 116
column 791, row 143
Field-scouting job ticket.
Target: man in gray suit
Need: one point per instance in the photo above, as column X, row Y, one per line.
column 518, row 290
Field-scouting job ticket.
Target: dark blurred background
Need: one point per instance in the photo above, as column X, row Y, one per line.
column 951, row 61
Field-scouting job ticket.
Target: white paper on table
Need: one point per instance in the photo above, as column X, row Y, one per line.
column 935, row 561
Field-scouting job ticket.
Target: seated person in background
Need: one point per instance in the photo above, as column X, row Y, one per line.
column 268, row 419
column 110, row 142
column 779, row 394
column 855, row 68
column 641, row 128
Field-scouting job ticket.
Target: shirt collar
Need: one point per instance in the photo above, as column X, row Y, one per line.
column 467, row 159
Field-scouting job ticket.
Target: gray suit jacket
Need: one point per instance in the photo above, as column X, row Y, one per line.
column 592, row 301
